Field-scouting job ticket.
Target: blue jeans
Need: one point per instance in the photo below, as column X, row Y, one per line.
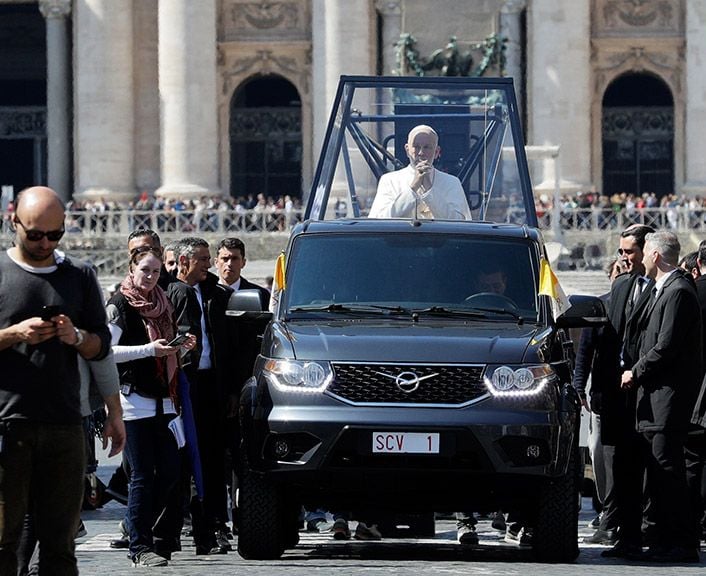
column 153, row 456
column 49, row 461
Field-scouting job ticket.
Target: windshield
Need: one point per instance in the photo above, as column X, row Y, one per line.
column 373, row 147
column 406, row 273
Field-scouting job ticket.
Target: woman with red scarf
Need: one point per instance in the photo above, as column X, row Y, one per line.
column 141, row 322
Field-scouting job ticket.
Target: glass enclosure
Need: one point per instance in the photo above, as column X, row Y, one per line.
column 479, row 137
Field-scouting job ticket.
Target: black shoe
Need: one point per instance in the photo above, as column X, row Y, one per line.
column 209, row 549
column 466, row 533
column 620, row 550
column 604, row 537
column 672, row 555
column 498, row 522
column 222, row 542
column 121, row 543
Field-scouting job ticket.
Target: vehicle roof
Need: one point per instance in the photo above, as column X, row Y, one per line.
column 374, row 225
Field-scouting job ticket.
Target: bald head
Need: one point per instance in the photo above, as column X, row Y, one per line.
column 38, row 197
column 39, row 224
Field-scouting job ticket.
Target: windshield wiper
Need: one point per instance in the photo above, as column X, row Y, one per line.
column 506, row 311
column 351, row 308
column 444, row 311
column 474, row 312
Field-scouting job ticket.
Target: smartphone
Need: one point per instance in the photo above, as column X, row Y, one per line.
column 48, row 312
column 179, row 340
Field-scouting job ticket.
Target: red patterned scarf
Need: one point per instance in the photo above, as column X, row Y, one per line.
column 158, row 316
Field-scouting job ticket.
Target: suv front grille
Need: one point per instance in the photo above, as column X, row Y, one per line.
column 395, row 384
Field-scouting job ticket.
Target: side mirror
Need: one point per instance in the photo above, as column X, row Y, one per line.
column 585, row 312
column 247, row 304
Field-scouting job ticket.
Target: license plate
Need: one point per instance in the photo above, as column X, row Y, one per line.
column 405, row 443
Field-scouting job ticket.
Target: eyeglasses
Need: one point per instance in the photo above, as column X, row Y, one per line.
column 625, row 251
column 37, row 235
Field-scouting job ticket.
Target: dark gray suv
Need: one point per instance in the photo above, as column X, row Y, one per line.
column 411, row 365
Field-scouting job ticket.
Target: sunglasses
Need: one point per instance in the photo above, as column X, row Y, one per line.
column 626, row 251
column 37, row 235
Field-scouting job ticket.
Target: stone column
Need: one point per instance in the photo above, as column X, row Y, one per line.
column 695, row 98
column 391, row 11
column 342, row 37
column 511, row 29
column 58, row 97
column 104, row 154
column 187, row 89
column 558, row 88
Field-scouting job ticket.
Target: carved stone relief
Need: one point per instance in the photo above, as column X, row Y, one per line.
column 294, row 65
column 666, row 62
column 258, row 20
column 637, row 17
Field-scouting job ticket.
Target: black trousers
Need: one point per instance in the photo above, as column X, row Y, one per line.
column 669, row 493
column 695, row 456
column 628, row 481
column 209, row 416
column 609, row 518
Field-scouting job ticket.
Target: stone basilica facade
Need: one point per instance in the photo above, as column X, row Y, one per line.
column 110, row 98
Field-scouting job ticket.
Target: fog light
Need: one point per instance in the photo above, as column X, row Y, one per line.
column 281, row 448
column 533, row 451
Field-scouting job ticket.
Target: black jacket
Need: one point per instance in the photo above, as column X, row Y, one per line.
column 188, row 318
column 668, row 371
column 615, row 405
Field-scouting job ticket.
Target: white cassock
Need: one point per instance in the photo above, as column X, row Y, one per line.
column 445, row 200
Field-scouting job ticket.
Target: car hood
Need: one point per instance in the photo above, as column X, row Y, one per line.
column 404, row 341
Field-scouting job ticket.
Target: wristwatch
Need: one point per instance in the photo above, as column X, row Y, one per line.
column 79, row 337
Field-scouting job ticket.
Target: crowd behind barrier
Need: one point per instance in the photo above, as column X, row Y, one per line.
column 581, row 212
column 592, row 211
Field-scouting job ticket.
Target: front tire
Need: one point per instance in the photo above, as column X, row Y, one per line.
column 555, row 537
column 262, row 508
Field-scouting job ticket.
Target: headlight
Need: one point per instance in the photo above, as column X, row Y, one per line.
column 524, row 381
column 295, row 375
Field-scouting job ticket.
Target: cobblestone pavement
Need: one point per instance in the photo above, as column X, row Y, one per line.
column 319, row 554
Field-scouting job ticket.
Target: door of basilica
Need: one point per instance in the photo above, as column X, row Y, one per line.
column 266, row 140
column 638, row 137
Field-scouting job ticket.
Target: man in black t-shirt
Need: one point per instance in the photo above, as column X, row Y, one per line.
column 50, row 310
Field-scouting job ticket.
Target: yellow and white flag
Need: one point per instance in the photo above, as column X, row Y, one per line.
column 549, row 286
column 279, row 282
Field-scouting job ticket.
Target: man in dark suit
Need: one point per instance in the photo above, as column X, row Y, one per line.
column 628, row 297
column 199, row 305
column 667, row 376
column 230, row 261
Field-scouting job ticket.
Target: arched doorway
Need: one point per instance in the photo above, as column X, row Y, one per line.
column 23, row 96
column 266, row 139
column 638, row 136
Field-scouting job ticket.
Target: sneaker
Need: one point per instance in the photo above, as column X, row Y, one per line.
column 603, row 537
column 149, row 559
column 596, row 522
column 81, row 531
column 527, row 536
column 498, row 522
column 365, row 532
column 466, row 534
column 319, row 525
column 341, row 531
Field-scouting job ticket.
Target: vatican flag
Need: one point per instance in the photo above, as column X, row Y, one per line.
column 549, row 286
column 279, row 282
